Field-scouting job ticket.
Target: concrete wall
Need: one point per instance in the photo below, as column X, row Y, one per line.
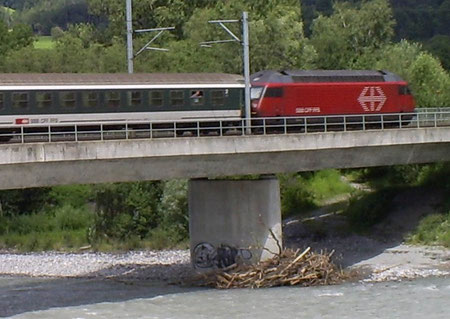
column 233, row 220
column 34, row 165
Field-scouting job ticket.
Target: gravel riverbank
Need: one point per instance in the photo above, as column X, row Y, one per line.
column 164, row 265
column 394, row 263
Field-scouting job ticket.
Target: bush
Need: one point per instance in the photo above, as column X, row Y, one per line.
column 366, row 210
column 70, row 218
column 126, row 209
column 174, row 211
column 73, row 195
column 303, row 192
column 23, row 201
column 328, row 183
column 62, row 228
column 433, row 230
column 34, row 223
column 295, row 197
column 400, row 175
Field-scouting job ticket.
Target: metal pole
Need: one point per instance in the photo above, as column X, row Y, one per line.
column 245, row 43
column 130, row 37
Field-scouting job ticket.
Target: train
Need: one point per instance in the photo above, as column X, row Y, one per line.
column 31, row 101
column 328, row 92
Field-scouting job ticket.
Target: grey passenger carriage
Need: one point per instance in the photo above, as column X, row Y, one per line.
column 32, row 99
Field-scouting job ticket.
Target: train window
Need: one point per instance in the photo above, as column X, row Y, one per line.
column 176, row 98
column 113, row 98
column 43, row 99
column 134, row 98
column 20, row 100
column 90, row 99
column 156, row 98
column 197, row 97
column 255, row 92
column 404, row 90
column 274, row 92
column 218, row 97
column 1, row 100
column 68, row 99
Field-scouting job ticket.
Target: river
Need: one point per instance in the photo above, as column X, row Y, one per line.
column 84, row 298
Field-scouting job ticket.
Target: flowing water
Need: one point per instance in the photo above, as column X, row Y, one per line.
column 76, row 298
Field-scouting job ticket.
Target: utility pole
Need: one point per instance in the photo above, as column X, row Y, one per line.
column 130, row 55
column 130, row 50
column 245, row 58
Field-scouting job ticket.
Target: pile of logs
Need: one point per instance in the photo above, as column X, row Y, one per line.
column 288, row 268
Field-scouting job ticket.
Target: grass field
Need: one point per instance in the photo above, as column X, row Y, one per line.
column 44, row 42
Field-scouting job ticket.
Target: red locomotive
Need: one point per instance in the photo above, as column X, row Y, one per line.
column 327, row 92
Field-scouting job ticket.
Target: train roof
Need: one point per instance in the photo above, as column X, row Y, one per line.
column 139, row 80
column 315, row 76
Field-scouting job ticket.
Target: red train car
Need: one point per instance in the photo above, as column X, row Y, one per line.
column 328, row 92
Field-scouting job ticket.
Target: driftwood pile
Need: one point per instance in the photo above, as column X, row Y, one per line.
column 288, row 268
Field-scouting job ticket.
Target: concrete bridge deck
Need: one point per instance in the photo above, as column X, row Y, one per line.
column 47, row 164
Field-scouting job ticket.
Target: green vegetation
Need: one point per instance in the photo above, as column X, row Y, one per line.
column 338, row 40
column 300, row 193
column 104, row 217
column 44, row 43
column 365, row 210
column 368, row 209
column 433, row 230
column 89, row 36
column 63, row 228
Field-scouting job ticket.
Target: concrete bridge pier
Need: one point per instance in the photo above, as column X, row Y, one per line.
column 233, row 221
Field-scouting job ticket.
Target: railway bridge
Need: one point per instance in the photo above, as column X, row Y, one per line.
column 237, row 218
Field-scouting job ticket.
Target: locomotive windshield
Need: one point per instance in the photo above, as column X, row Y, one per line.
column 255, row 92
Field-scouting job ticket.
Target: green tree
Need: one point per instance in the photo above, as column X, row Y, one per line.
column 173, row 209
column 16, row 38
column 127, row 209
column 431, row 82
column 26, row 201
column 276, row 32
column 350, row 32
column 439, row 45
column 147, row 13
column 397, row 58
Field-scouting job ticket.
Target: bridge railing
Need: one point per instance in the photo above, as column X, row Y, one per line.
column 258, row 126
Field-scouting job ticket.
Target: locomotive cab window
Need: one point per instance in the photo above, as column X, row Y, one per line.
column 134, row 98
column 176, row 98
column 90, row 99
column 43, row 99
column 274, row 92
column 69, row 99
column 156, row 98
column 197, row 97
column 20, row 100
column 1, row 100
column 255, row 92
column 404, row 90
column 218, row 97
column 112, row 98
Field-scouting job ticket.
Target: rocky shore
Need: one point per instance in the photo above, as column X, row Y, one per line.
column 164, row 265
column 394, row 263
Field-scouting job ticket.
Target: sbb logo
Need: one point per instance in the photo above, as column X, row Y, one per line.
column 372, row 99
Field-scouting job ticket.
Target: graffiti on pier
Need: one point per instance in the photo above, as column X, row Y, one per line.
column 206, row 255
